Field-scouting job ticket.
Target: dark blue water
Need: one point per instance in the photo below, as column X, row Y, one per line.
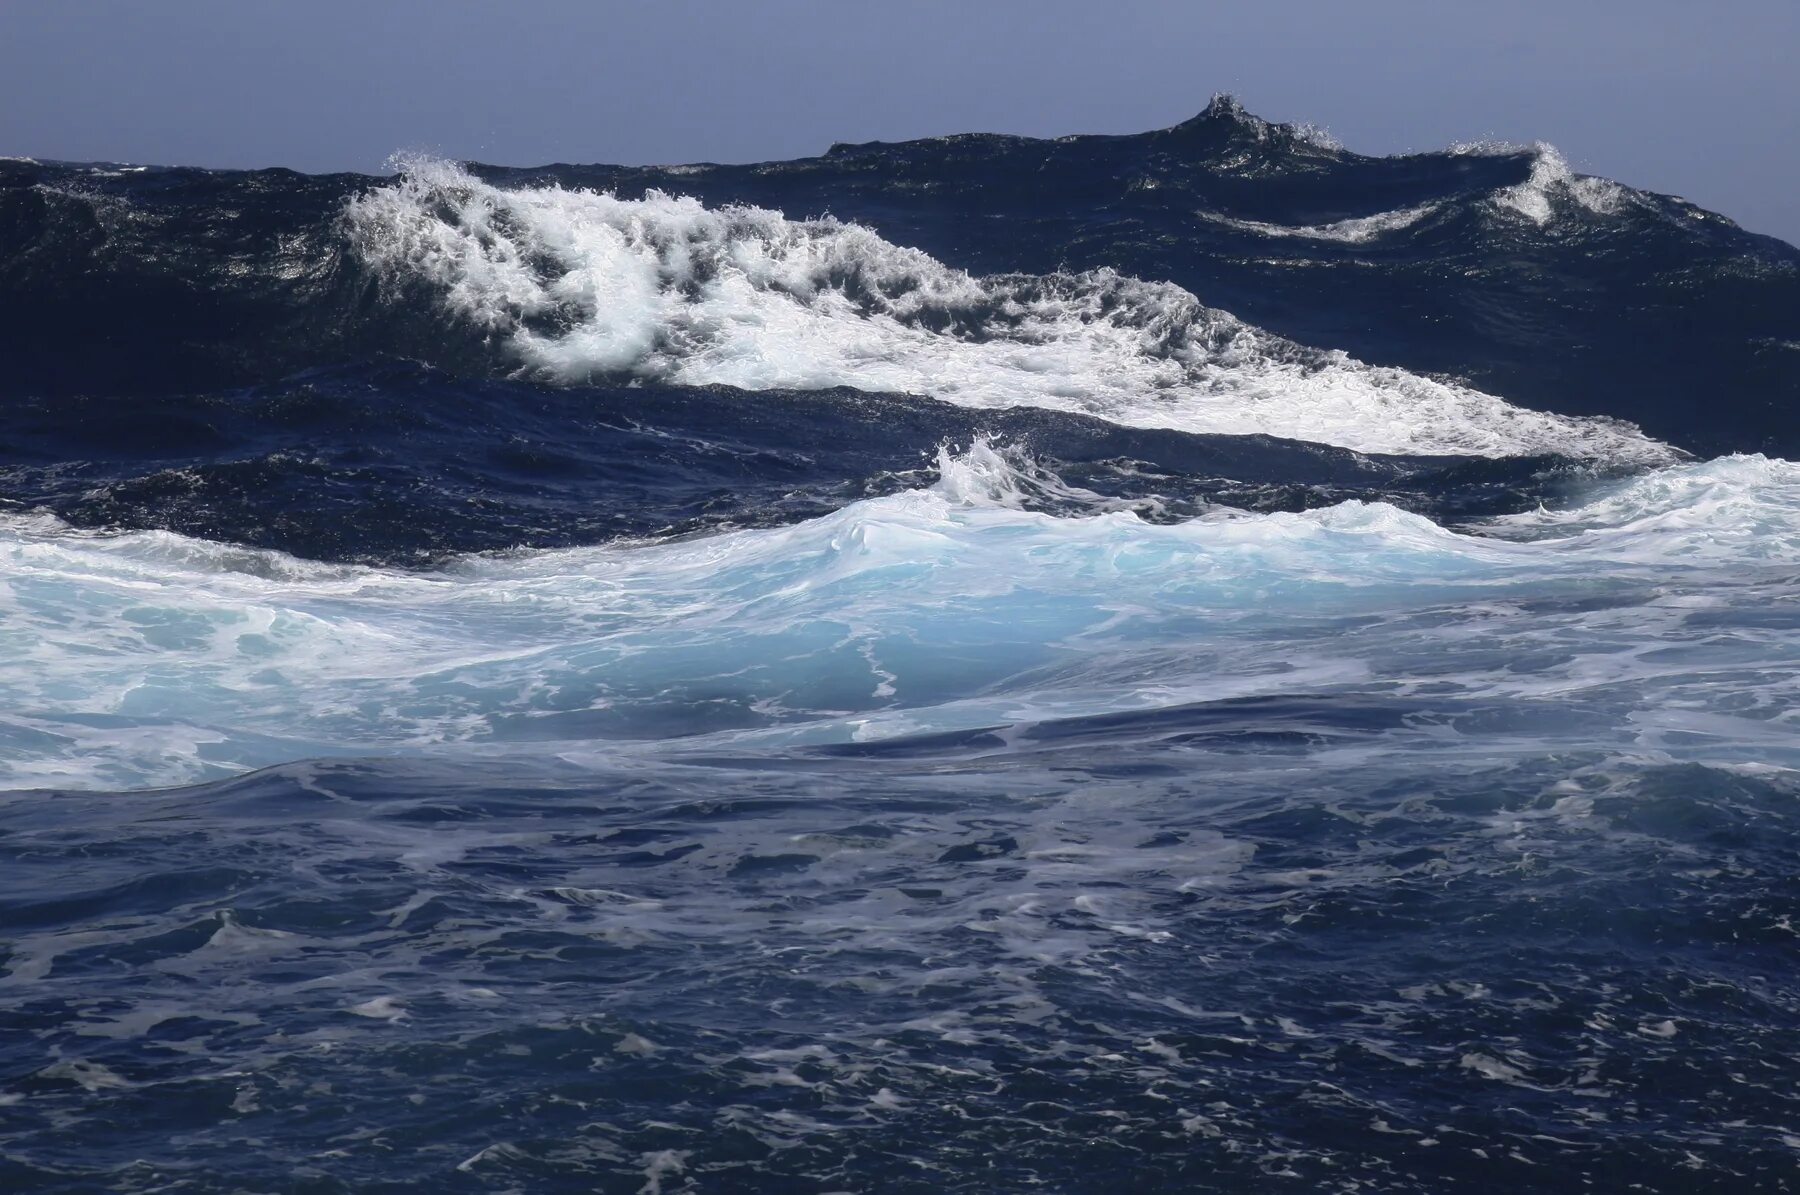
column 1196, row 661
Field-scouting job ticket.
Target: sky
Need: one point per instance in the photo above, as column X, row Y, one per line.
column 1699, row 100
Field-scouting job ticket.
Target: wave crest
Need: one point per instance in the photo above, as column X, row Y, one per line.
column 583, row 284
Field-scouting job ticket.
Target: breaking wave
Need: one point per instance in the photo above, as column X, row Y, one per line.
column 583, row 285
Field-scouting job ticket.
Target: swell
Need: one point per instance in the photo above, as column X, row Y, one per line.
column 1498, row 266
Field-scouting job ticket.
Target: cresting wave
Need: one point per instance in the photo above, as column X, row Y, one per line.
column 150, row 658
column 1550, row 180
column 584, row 285
column 1021, row 293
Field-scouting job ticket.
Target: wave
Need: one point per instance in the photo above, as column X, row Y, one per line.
column 152, row 658
column 584, row 284
column 1568, row 294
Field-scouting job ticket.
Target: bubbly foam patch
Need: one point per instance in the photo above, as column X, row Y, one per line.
column 580, row 284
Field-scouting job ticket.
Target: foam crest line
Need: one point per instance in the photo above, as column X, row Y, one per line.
column 582, row 285
column 1359, row 230
column 150, row 658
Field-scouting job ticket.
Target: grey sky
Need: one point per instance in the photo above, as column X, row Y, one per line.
column 1702, row 100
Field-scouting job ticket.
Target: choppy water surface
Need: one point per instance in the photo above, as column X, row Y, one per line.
column 864, row 674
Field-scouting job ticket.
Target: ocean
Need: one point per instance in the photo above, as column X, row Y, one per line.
column 1194, row 661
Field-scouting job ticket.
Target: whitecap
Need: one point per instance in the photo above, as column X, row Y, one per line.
column 580, row 285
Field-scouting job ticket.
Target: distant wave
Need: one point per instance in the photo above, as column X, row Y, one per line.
column 583, row 284
column 989, row 271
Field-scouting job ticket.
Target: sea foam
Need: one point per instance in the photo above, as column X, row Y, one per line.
column 581, row 284
column 150, row 658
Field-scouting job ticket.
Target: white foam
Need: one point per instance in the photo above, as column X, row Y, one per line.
column 381, row 1008
column 1734, row 510
column 580, row 284
column 1550, row 180
column 1358, row 230
column 149, row 658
